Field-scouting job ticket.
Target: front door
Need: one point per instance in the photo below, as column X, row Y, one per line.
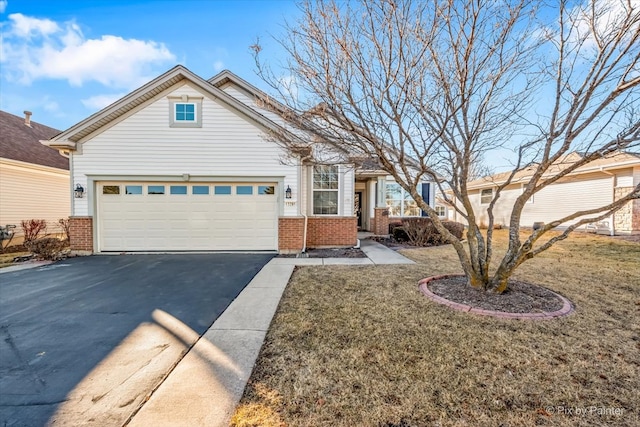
column 358, row 207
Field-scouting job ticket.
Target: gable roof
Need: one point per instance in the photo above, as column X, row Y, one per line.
column 614, row 161
column 70, row 137
column 21, row 142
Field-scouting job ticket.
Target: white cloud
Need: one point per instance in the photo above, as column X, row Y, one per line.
column 98, row 102
column 35, row 49
column 3, row 6
column 218, row 66
column 25, row 26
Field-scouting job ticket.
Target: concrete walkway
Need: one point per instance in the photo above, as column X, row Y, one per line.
column 206, row 385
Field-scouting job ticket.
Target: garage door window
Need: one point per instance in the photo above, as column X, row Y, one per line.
column 178, row 189
column 222, row 190
column 266, row 189
column 111, row 189
column 155, row 189
column 200, row 189
column 244, row 190
column 133, row 189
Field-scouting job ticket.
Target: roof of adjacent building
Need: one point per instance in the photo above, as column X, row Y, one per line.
column 613, row 161
column 21, row 142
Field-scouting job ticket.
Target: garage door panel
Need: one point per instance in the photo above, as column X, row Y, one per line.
column 148, row 222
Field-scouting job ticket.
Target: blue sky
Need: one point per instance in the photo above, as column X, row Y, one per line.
column 65, row 60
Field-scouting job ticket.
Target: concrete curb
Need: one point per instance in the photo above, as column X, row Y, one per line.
column 567, row 307
column 24, row 266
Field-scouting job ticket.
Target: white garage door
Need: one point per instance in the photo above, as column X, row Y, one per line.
column 185, row 217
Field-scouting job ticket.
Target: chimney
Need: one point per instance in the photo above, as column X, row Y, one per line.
column 27, row 118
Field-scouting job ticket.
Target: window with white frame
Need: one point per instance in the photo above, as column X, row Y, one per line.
column 325, row 189
column 399, row 202
column 440, row 210
column 522, row 187
column 185, row 111
column 486, row 195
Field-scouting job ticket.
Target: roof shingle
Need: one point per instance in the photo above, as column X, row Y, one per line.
column 21, row 142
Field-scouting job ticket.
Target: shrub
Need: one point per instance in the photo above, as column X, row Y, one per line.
column 422, row 232
column 393, row 225
column 64, row 226
column 32, row 228
column 48, row 248
column 455, row 228
column 400, row 234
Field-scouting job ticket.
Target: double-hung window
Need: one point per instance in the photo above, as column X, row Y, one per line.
column 325, row 190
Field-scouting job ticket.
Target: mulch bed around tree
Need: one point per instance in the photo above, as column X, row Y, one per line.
column 331, row 253
column 520, row 297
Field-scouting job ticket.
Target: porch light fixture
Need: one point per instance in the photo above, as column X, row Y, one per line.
column 288, row 192
column 79, row 191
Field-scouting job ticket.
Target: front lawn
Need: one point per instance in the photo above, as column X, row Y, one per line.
column 361, row 346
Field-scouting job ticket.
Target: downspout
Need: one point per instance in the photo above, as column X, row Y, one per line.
column 303, row 209
column 612, row 229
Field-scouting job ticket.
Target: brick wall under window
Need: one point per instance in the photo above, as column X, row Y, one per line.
column 321, row 232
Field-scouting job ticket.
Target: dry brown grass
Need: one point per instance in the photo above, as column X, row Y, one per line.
column 360, row 346
column 6, row 260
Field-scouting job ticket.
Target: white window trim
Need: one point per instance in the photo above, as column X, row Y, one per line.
column 185, row 99
column 337, row 190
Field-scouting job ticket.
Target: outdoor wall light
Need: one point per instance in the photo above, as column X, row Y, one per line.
column 79, row 191
column 288, row 193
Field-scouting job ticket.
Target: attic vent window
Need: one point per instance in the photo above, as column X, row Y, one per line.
column 185, row 112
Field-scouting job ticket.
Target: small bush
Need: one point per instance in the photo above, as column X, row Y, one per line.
column 393, row 225
column 455, row 228
column 422, row 232
column 64, row 226
column 400, row 234
column 48, row 248
column 33, row 228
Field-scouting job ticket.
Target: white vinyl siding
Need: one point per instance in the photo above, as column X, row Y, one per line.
column 553, row 202
column 33, row 193
column 227, row 145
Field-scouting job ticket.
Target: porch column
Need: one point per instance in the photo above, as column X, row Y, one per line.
column 381, row 214
column 382, row 193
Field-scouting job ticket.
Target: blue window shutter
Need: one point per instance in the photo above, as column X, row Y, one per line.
column 425, row 196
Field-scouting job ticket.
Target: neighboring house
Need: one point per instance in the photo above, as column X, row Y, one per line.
column 593, row 185
column 34, row 179
column 182, row 163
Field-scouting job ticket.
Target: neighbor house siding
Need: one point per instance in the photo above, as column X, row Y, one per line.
column 143, row 144
column 557, row 200
column 30, row 191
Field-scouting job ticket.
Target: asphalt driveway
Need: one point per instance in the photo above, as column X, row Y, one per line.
column 85, row 340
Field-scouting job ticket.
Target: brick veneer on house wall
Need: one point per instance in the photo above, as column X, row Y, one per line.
column 321, row 232
column 81, row 234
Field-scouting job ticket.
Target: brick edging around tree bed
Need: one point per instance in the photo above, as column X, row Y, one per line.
column 566, row 309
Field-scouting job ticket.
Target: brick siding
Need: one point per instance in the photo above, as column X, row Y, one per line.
column 81, row 234
column 321, row 232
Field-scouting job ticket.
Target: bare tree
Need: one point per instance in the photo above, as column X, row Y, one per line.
column 428, row 88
